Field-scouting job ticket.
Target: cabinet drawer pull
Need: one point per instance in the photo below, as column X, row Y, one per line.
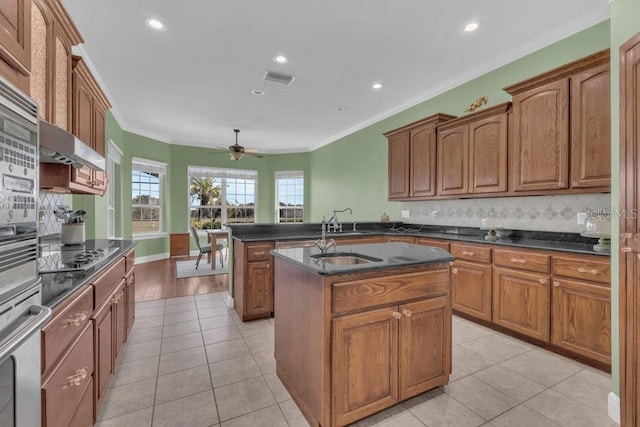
column 397, row 315
column 625, row 236
column 117, row 298
column 454, row 270
column 518, row 260
column 407, row 312
column 75, row 319
column 556, row 283
column 450, row 263
column 468, row 253
column 626, row 249
column 258, row 253
column 542, row 281
column 76, row 378
column 586, row 270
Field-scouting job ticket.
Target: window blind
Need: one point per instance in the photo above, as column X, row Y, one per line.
column 222, row 173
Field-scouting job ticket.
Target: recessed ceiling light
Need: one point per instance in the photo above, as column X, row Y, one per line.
column 155, row 24
column 257, row 92
column 377, row 86
column 471, row 26
column 280, row 59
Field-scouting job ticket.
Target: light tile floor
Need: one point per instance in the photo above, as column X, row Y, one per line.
column 191, row 362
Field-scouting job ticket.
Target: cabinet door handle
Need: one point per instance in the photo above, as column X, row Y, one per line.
column 450, row 263
column 258, row 253
column 76, row 378
column 117, row 298
column 586, row 270
column 75, row 319
column 626, row 249
column 468, row 253
column 454, row 270
column 556, row 283
column 625, row 236
column 407, row 312
column 397, row 315
column 542, row 281
column 518, row 260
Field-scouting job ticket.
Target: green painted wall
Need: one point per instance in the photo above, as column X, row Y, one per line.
column 352, row 172
column 624, row 24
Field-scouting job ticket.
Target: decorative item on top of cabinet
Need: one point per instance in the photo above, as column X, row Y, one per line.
column 472, row 153
column 565, row 110
column 15, row 42
column 412, row 158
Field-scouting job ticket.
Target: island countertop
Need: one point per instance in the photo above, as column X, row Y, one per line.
column 383, row 256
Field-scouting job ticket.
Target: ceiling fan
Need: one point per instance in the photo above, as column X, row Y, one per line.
column 237, row 151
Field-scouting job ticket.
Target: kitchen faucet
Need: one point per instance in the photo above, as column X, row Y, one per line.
column 322, row 243
column 333, row 225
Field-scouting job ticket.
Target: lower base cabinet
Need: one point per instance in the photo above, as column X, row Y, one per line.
column 471, row 289
column 104, row 355
column 83, row 415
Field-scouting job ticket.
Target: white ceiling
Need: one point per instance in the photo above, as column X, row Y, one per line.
column 192, row 83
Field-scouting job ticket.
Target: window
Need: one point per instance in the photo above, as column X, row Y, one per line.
column 113, row 160
column 289, row 196
column 221, row 196
column 147, row 179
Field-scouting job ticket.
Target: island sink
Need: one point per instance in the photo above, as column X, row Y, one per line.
column 345, row 258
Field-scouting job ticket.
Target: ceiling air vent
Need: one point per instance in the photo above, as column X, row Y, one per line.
column 281, row 78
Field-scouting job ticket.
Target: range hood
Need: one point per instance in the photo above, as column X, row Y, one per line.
column 59, row 146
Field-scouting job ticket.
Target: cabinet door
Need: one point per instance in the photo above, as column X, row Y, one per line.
column 425, row 346
column 399, row 166
column 40, row 77
column 453, row 155
column 365, row 364
column 119, row 320
column 61, row 81
column 15, row 34
column 423, row 162
column 130, row 300
column 591, row 128
column 541, row 138
column 258, row 291
column 99, row 181
column 471, row 289
column 488, row 155
column 581, row 318
column 82, row 124
column 103, row 348
column 521, row 302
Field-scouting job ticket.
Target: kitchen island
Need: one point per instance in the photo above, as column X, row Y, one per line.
column 362, row 328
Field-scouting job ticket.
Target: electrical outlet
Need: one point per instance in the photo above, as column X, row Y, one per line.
column 582, row 216
column 406, row 214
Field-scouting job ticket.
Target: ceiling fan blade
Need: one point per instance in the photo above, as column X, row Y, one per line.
column 251, row 150
column 249, row 153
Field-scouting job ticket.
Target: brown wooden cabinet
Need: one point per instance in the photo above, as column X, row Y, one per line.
column 471, row 289
column 472, row 153
column 15, row 42
column 253, row 279
column 400, row 239
column 563, row 111
column 103, row 321
column 179, row 244
column 412, row 159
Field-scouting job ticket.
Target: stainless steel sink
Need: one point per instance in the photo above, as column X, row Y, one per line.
column 345, row 258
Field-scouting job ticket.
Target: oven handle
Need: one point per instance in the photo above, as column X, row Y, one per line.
column 40, row 315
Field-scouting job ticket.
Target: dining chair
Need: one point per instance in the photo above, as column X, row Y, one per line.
column 204, row 249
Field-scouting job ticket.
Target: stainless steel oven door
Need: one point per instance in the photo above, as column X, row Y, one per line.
column 20, row 323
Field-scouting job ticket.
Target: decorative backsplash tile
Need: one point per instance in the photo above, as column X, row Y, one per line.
column 539, row 213
column 48, row 223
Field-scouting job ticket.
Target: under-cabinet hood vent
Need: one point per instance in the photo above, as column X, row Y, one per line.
column 281, row 78
column 59, row 146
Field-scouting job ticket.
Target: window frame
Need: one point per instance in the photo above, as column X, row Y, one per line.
column 152, row 167
column 288, row 175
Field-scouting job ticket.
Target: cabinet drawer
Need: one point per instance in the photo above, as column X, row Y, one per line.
column 259, row 252
column 66, row 326
column 130, row 259
column 521, row 260
column 107, row 283
column 585, row 268
column 358, row 294
column 436, row 243
column 399, row 239
column 64, row 389
column 471, row 252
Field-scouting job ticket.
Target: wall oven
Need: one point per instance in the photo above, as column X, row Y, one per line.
column 21, row 312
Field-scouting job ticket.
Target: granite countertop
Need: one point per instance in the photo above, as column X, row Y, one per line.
column 383, row 256
column 56, row 287
column 553, row 241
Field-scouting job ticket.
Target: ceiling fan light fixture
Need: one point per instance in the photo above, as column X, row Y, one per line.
column 155, row 24
column 280, row 59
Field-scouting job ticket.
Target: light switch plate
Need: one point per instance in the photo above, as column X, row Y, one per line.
column 405, row 214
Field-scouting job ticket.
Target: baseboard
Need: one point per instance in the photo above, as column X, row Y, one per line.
column 149, row 258
column 229, row 301
column 614, row 407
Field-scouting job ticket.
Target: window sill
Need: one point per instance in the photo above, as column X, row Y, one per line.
column 148, row 236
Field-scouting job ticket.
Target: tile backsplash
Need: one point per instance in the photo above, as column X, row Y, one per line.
column 48, row 223
column 538, row 213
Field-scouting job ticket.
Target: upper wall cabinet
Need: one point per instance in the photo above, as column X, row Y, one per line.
column 472, row 153
column 412, row 159
column 53, row 34
column 561, row 128
column 15, row 42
